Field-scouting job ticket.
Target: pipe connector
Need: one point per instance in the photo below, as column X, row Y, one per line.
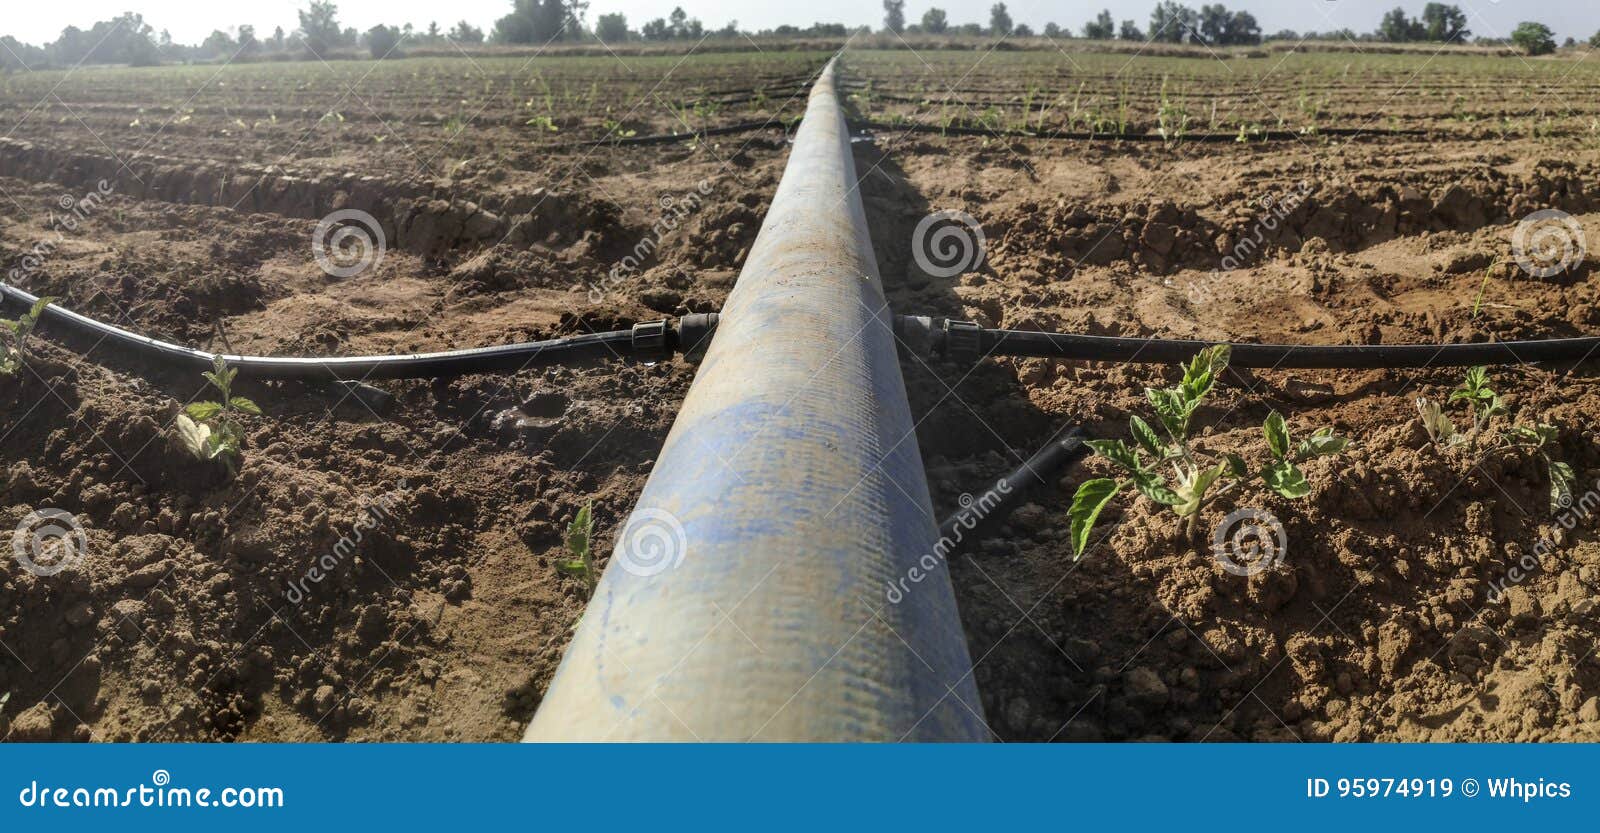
column 963, row 341
column 650, row 340
column 694, row 334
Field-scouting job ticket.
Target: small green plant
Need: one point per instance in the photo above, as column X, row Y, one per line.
column 1195, row 482
column 1483, row 406
column 579, row 560
column 1173, row 118
column 14, row 353
column 211, row 430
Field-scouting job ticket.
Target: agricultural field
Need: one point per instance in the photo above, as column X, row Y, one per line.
column 1427, row 590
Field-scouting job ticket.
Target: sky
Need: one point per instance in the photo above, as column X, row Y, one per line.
column 190, row 21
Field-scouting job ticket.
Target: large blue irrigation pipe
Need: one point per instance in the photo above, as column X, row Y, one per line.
column 747, row 597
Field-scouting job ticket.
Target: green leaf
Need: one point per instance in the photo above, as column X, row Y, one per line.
column 1154, row 486
column 1200, row 374
column 1146, row 437
column 1171, row 410
column 1092, row 496
column 202, row 411
column 1191, row 491
column 1434, row 422
column 39, row 305
column 1287, row 480
column 1277, row 434
column 579, row 530
column 1322, row 442
column 240, row 403
column 194, row 437
column 1561, row 480
column 1236, row 466
column 1117, row 452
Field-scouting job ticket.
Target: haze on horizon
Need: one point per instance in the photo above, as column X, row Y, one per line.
column 190, row 21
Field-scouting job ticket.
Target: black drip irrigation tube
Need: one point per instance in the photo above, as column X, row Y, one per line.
column 966, row 341
column 786, row 125
column 1206, row 138
column 982, row 512
column 652, row 341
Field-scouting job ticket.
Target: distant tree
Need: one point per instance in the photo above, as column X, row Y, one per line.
column 1214, row 20
column 18, row 55
column 125, row 39
column 894, row 15
column 1287, row 34
column 934, row 22
column 729, row 31
column 611, row 28
column 1396, row 27
column 971, row 30
column 1594, row 40
column 1101, row 28
column 1445, row 24
column 1534, row 38
column 684, row 27
column 999, row 20
column 1241, row 29
column 464, row 32
column 433, row 31
column 249, row 44
column 383, row 41
column 1130, row 31
column 1022, row 30
column 658, row 30
column 1172, row 22
column 278, row 39
column 1051, row 30
column 217, row 45
column 319, row 27
column 541, row 21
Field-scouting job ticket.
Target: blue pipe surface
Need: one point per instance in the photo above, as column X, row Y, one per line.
column 748, row 595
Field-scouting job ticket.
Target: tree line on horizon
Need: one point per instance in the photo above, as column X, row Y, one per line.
column 128, row 39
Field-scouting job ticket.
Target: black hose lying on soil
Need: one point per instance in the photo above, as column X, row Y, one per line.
column 1359, row 356
column 980, row 513
column 646, row 342
column 1208, row 138
column 669, row 138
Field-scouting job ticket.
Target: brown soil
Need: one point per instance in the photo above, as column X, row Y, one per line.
column 447, row 619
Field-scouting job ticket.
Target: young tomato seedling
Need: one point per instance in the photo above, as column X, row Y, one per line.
column 1483, row 405
column 14, row 337
column 579, row 559
column 1195, row 482
column 211, row 430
